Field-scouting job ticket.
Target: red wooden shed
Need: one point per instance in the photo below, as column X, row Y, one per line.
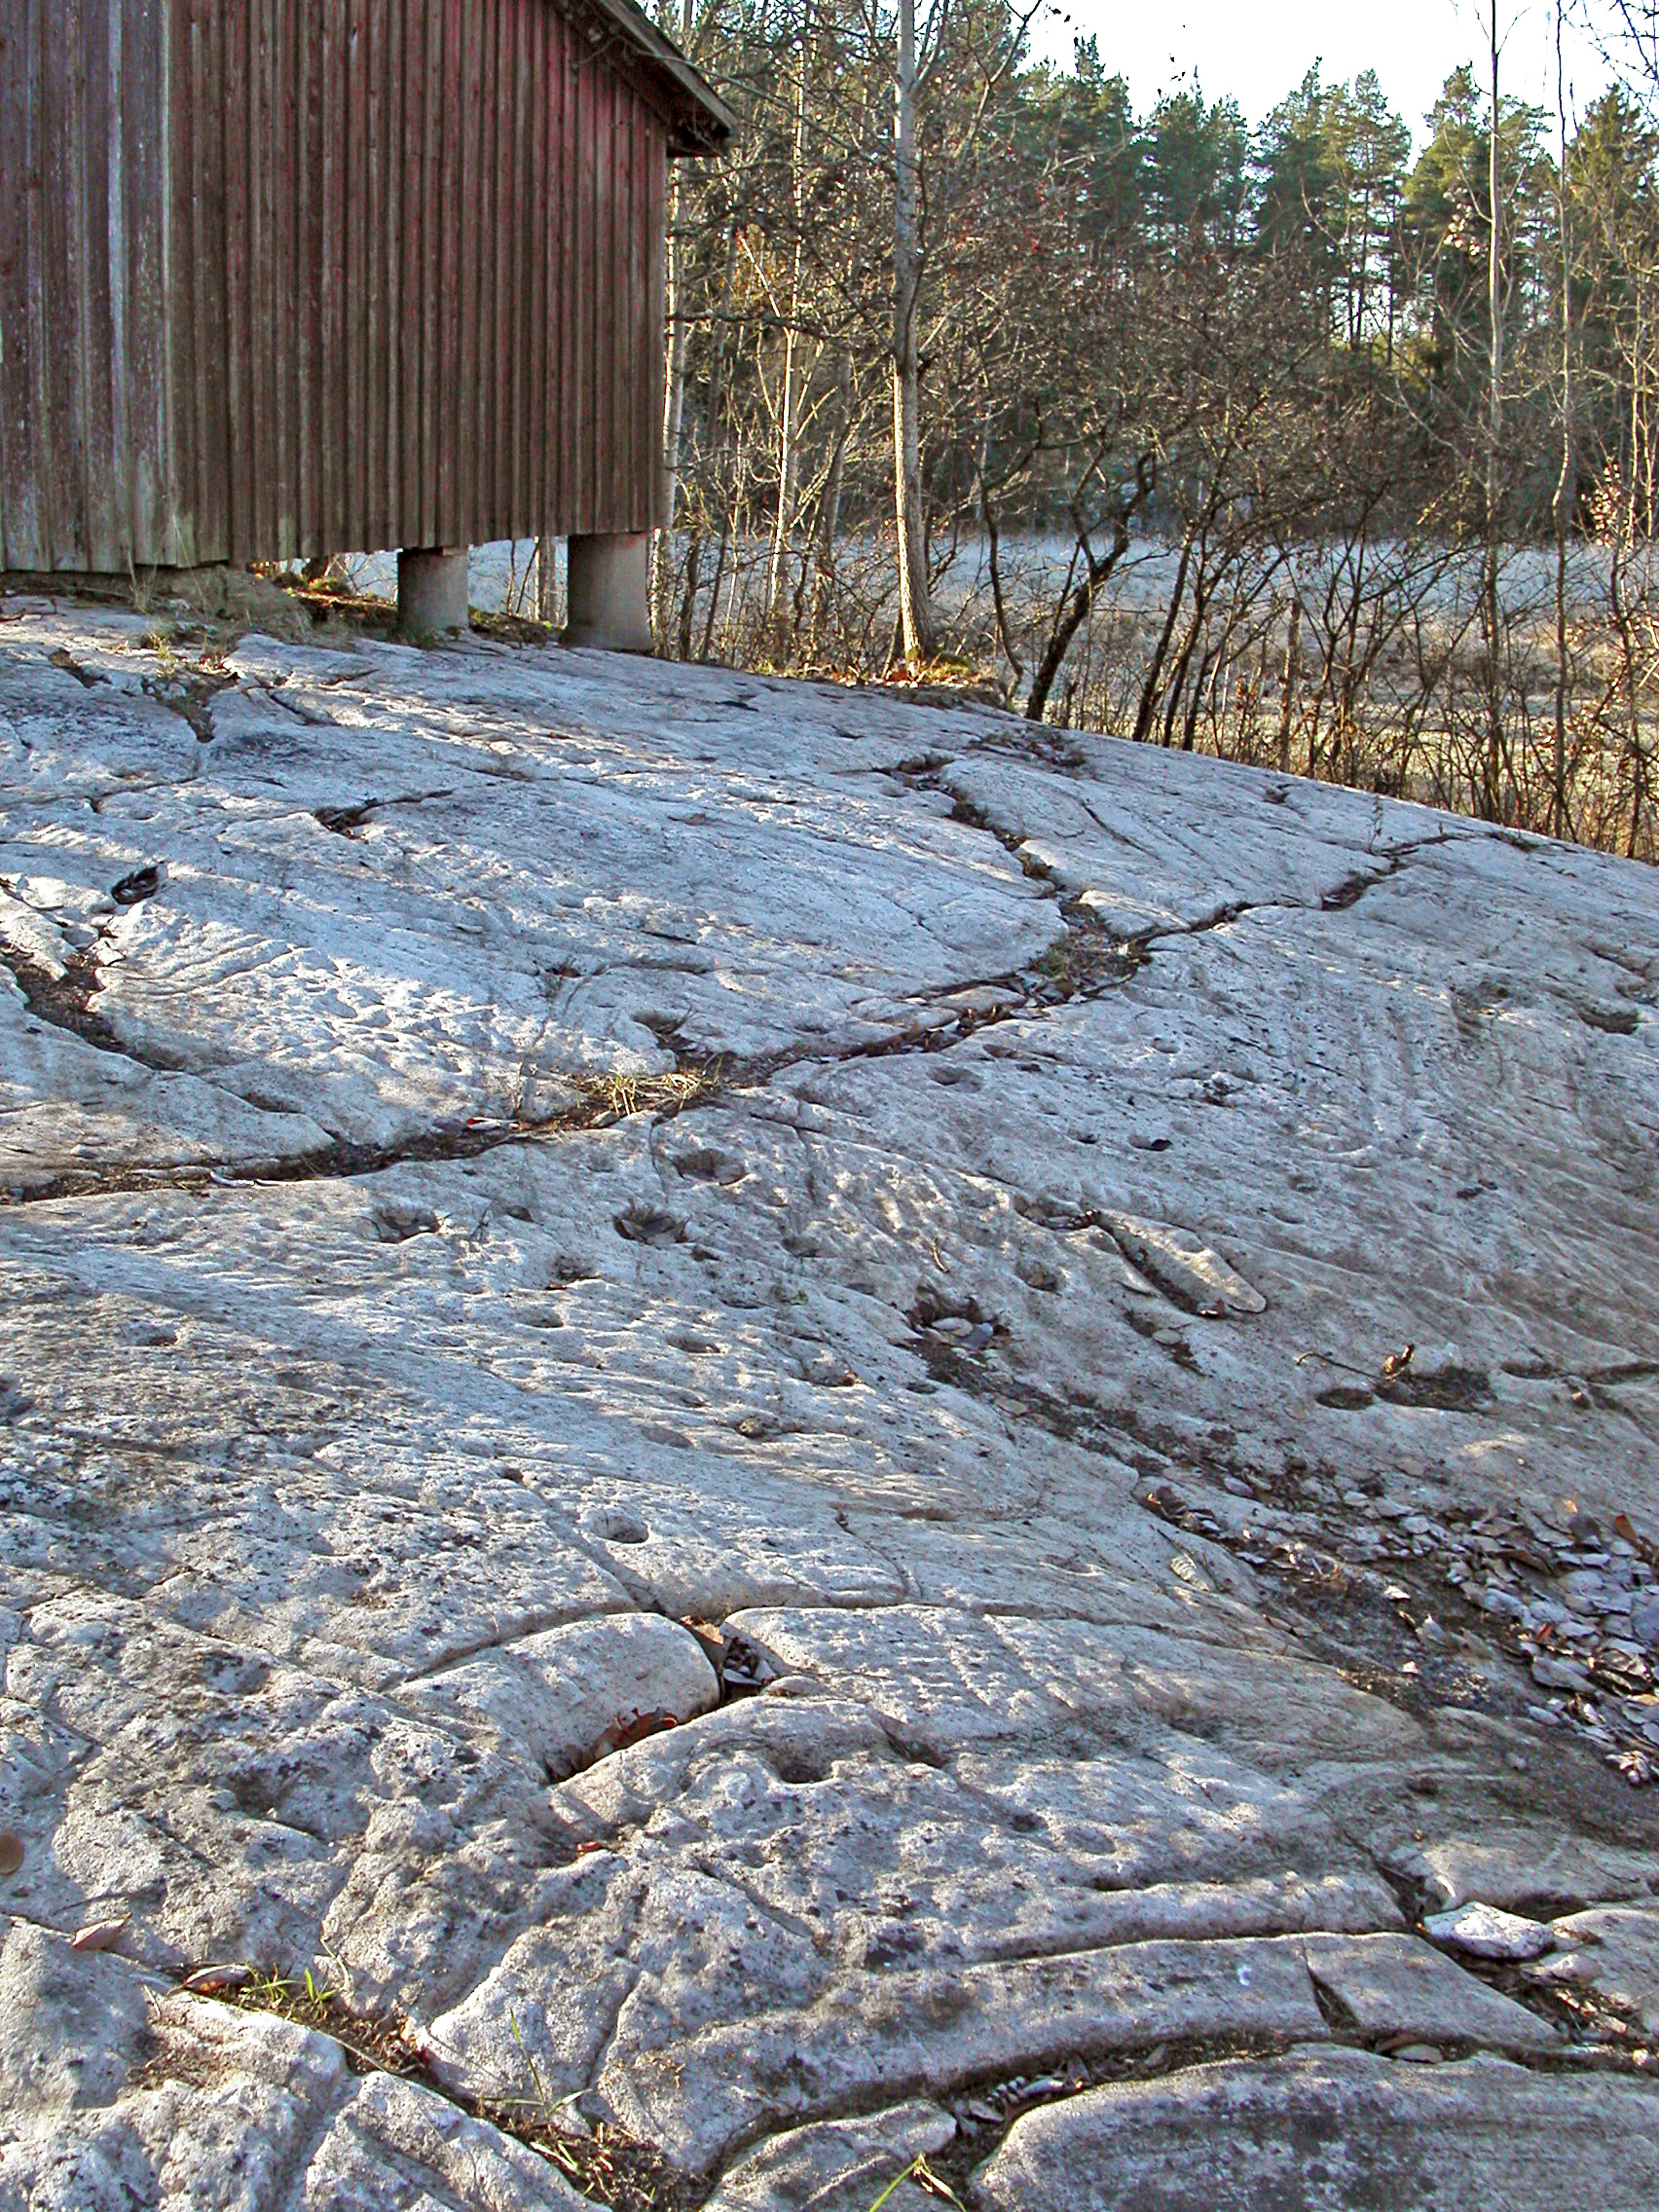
column 289, row 277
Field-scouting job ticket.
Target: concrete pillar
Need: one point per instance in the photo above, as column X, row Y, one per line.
column 607, row 590
column 432, row 592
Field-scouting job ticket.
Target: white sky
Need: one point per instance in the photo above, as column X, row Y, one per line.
column 1259, row 51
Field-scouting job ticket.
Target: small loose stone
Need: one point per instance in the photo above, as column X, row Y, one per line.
column 1485, row 1932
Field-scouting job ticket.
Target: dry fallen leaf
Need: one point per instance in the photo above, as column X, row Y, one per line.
column 1396, row 1363
column 100, row 1934
column 205, row 1981
column 635, row 1727
column 11, row 1852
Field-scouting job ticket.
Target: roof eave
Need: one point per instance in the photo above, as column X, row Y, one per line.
column 702, row 122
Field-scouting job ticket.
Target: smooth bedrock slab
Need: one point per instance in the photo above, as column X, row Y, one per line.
column 520, row 1170
column 1337, row 2131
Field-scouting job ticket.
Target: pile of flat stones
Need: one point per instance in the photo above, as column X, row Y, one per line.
column 1577, row 1603
column 1583, row 1606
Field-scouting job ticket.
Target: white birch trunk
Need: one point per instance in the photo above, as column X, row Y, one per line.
column 674, row 386
column 915, row 608
column 789, row 423
column 1561, row 505
column 1494, row 436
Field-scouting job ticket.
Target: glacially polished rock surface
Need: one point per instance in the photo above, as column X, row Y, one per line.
column 808, row 1421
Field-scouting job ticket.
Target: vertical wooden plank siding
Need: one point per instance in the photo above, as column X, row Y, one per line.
column 393, row 204
column 494, row 241
column 187, row 309
column 283, row 345
column 651, row 344
column 546, row 67
column 215, row 272
column 60, row 161
column 603, row 92
column 305, row 336
column 235, row 139
column 37, row 300
column 261, row 259
column 332, row 392
column 380, row 229
column 287, row 277
column 159, row 532
column 631, row 309
column 582, row 243
column 564, row 386
column 18, row 523
column 481, row 204
column 465, row 404
column 424, row 511
column 516, row 241
column 443, row 270
column 355, row 369
column 620, row 170
column 104, row 505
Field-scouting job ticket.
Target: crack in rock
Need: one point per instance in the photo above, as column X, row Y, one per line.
column 62, row 1001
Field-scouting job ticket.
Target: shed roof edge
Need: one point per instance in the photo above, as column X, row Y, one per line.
column 706, row 124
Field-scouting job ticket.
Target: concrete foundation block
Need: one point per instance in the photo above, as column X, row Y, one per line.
column 608, row 588
column 432, row 592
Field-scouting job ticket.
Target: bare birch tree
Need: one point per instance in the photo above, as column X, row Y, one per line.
column 789, row 400
column 674, row 379
column 1492, row 613
column 915, row 597
column 1566, row 490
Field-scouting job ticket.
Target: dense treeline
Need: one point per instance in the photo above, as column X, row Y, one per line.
column 1286, row 444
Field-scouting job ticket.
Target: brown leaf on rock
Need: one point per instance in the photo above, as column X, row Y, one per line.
column 100, row 1934
column 213, row 1981
column 11, row 1852
column 634, row 1728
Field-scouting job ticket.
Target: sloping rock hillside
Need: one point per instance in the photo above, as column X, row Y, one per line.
column 805, row 1433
